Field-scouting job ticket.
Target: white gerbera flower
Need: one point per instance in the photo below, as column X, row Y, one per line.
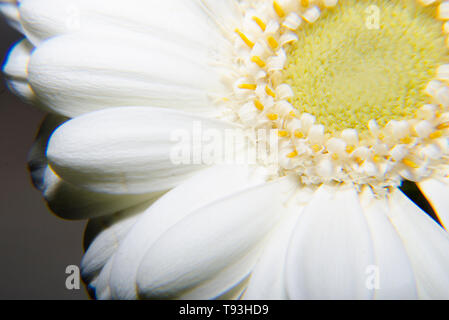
column 356, row 92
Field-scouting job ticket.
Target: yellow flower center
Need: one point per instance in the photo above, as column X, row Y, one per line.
column 358, row 90
column 365, row 60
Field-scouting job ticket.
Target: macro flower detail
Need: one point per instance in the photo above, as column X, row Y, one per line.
column 355, row 92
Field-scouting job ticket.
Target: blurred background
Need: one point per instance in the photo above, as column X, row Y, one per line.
column 36, row 246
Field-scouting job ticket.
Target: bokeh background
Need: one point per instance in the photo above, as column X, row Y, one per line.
column 35, row 246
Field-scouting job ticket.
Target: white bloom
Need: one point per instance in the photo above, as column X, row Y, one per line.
column 320, row 218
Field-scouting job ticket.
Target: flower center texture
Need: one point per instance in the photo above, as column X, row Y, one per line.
column 360, row 63
column 357, row 90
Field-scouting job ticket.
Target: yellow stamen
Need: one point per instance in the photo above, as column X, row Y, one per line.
column 248, row 86
column 279, row 11
column 377, row 158
column 316, row 148
column 443, row 126
column 304, row 3
column 272, row 116
column 350, row 149
column 292, row 114
column 334, row 156
column 259, row 105
column 244, row 38
column 299, row 134
column 406, row 140
column 283, row 133
column 272, row 42
column 358, row 160
column 257, row 60
column 436, row 135
column 292, row 154
column 270, row 92
column 260, row 23
column 410, row 163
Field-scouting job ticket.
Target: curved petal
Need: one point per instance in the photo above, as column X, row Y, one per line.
column 427, row 245
column 64, row 199
column 331, row 248
column 99, row 286
column 178, row 20
column 10, row 12
column 182, row 264
column 128, row 150
column 436, row 192
column 74, row 203
column 79, row 73
column 224, row 13
column 15, row 70
column 37, row 161
column 203, row 188
column 392, row 276
column 267, row 280
column 103, row 236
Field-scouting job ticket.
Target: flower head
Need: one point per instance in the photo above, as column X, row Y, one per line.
column 355, row 93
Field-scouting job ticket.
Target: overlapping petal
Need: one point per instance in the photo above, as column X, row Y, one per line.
column 220, row 186
column 178, row 20
column 127, row 150
column 331, row 248
column 427, row 246
column 64, row 199
column 436, row 192
column 78, row 73
column 16, row 73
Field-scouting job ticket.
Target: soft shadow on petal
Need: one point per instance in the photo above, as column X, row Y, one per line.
column 392, row 275
column 10, row 12
column 103, row 236
column 427, row 246
column 15, row 69
column 64, row 199
column 216, row 246
column 267, row 280
column 331, row 248
column 178, row 20
column 128, row 150
column 197, row 192
column 78, row 73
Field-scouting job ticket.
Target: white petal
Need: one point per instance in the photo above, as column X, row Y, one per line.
column 37, row 161
column 17, row 61
column 74, row 203
column 178, row 20
column 427, row 245
column 224, row 13
column 331, row 248
column 103, row 237
column 392, row 276
column 267, row 278
column 100, row 285
column 15, row 70
column 127, row 150
column 79, row 73
column 215, row 247
column 436, row 192
column 203, row 188
column 10, row 11
column 64, row 199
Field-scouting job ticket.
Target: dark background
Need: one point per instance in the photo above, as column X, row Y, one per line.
column 35, row 246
